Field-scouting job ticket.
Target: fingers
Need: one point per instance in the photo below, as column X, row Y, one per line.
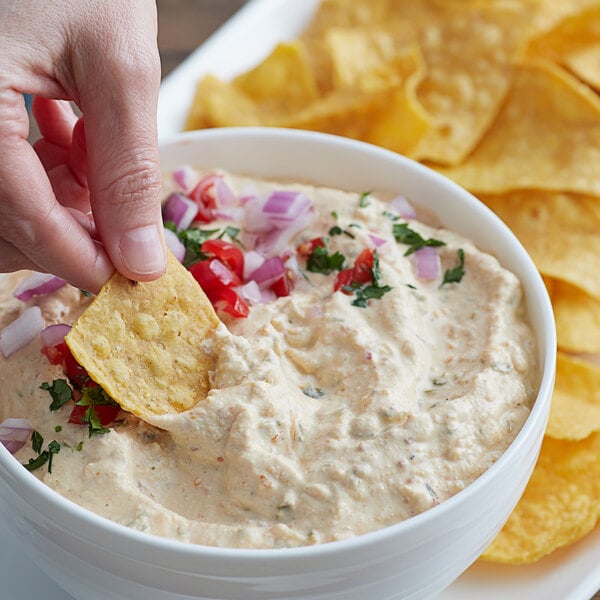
column 118, row 98
column 37, row 232
column 62, row 151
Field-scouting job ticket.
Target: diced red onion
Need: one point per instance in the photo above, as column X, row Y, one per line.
column 54, row 334
column 377, row 241
column 250, row 291
column 291, row 264
column 269, row 272
column 235, row 214
column 224, row 195
column 276, row 241
column 255, row 219
column 267, row 295
column 15, row 433
column 174, row 244
column 185, row 177
column 38, row 284
column 180, row 210
column 21, row 331
column 403, row 207
column 247, row 193
column 282, row 207
column 252, row 260
column 221, row 272
column 426, row 263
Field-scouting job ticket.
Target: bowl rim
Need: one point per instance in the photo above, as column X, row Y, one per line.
column 75, row 515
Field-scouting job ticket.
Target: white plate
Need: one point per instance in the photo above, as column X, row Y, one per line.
column 572, row 573
column 569, row 574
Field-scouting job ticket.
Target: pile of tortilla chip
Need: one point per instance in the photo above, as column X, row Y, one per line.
column 503, row 96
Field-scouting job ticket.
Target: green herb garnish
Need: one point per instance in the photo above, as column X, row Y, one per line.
column 369, row 291
column 455, row 274
column 363, row 200
column 37, row 441
column 43, row 457
column 59, row 390
column 337, row 230
column 320, row 261
column 92, row 397
column 404, row 235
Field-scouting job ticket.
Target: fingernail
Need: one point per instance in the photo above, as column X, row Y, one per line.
column 142, row 250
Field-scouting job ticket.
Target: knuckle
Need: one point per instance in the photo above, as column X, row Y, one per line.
column 134, row 184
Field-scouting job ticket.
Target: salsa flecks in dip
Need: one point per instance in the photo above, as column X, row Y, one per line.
column 358, row 393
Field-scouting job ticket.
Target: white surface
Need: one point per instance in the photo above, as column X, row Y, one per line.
column 569, row 574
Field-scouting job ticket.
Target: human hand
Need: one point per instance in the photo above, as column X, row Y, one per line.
column 102, row 55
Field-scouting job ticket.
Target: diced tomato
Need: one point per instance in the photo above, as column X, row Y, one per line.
column 283, row 286
column 226, row 300
column 59, row 354
column 217, row 280
column 56, row 354
column 306, row 248
column 74, row 371
column 363, row 266
column 107, row 413
column 343, row 279
column 227, row 253
column 361, row 272
column 204, row 195
column 213, row 274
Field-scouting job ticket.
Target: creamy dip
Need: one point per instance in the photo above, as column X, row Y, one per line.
column 325, row 420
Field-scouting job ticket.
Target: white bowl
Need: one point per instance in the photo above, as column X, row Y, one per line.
column 95, row 559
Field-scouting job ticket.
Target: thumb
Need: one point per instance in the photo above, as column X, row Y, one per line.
column 118, row 101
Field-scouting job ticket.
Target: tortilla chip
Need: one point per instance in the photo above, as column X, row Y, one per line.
column 546, row 137
column 356, row 110
column 464, row 95
column 219, row 104
column 143, row 342
column 560, row 231
column 560, row 504
column 574, row 44
column 577, row 316
column 283, row 83
column 370, row 59
column 347, row 13
column 575, row 412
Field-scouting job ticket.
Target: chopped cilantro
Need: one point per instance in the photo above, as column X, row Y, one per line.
column 337, row 230
column 91, row 397
column 404, row 235
column 58, row 428
column 334, row 214
column 231, row 231
column 364, row 293
column 363, row 200
column 60, row 391
column 85, row 293
column 369, row 291
column 455, row 274
column 391, row 216
column 43, row 457
column 79, row 446
column 37, row 441
column 320, row 261
column 194, row 237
